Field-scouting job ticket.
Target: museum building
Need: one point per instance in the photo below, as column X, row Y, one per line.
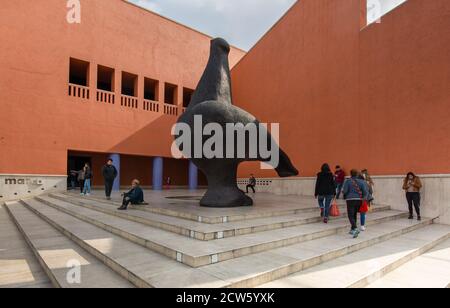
column 345, row 92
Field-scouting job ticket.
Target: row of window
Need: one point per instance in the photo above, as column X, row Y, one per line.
column 79, row 74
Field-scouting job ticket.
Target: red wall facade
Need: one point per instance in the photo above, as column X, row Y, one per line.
column 40, row 122
column 376, row 98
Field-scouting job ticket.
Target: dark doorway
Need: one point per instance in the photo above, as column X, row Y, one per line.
column 75, row 163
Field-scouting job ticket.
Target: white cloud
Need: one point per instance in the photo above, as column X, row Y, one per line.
column 241, row 22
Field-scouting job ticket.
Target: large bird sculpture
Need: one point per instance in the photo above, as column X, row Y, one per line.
column 212, row 100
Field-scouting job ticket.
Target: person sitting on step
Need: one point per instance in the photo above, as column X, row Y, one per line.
column 135, row 196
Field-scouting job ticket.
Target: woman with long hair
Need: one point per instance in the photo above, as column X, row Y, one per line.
column 412, row 186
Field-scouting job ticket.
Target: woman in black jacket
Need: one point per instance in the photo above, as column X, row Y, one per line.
column 325, row 191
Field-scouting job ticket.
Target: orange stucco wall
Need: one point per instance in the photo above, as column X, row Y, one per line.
column 303, row 75
column 39, row 122
column 377, row 98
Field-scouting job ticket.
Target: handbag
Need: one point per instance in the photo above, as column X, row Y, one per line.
column 364, row 207
column 334, row 211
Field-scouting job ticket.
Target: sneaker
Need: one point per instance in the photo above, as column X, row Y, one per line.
column 355, row 233
column 122, row 208
column 411, row 217
column 325, row 220
column 88, row 194
column 363, row 228
column 419, row 218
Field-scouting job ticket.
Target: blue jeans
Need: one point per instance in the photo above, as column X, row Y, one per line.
column 87, row 186
column 325, row 203
column 363, row 219
column 339, row 187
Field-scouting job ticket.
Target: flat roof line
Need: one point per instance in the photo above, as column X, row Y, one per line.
column 176, row 22
column 268, row 32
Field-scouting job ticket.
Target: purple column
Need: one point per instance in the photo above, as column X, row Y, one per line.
column 116, row 163
column 158, row 169
column 193, row 176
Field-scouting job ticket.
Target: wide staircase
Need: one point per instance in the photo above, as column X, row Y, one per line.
column 169, row 245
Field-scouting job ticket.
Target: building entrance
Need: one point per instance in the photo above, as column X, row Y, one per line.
column 76, row 163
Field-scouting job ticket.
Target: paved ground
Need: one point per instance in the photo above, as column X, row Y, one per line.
column 188, row 201
column 18, row 266
column 173, row 242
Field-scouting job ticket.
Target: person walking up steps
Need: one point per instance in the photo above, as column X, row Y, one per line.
column 365, row 206
column 339, row 177
column 355, row 192
column 109, row 174
column 412, row 186
column 325, row 191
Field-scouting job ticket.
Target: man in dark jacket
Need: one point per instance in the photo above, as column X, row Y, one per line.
column 135, row 196
column 109, row 174
column 325, row 191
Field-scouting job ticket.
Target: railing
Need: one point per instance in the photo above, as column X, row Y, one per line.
column 78, row 91
column 105, row 97
column 151, row 105
column 170, row 109
column 128, row 101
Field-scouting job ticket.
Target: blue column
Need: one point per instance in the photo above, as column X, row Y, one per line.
column 158, row 169
column 193, row 176
column 116, row 163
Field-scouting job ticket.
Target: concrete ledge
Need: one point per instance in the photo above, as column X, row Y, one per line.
column 388, row 190
column 18, row 186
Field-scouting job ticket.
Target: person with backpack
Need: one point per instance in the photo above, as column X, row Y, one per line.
column 365, row 206
column 325, row 191
column 355, row 192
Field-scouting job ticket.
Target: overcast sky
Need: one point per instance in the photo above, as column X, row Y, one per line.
column 241, row 22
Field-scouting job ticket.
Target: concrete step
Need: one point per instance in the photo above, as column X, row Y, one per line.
column 261, row 268
column 430, row 270
column 199, row 231
column 55, row 252
column 146, row 268
column 199, row 253
column 140, row 266
column 19, row 267
column 193, row 212
column 369, row 264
